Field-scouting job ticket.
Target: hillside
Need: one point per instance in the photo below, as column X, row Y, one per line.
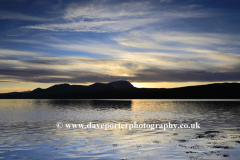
column 125, row 90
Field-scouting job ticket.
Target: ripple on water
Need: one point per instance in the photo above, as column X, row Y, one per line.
column 28, row 129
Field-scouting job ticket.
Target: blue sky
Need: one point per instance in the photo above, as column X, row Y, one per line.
column 151, row 43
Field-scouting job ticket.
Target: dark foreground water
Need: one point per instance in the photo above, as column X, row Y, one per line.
column 28, row 129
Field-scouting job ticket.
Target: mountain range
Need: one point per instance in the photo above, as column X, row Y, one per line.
column 125, row 90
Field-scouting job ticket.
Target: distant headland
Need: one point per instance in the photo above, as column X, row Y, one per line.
column 125, row 90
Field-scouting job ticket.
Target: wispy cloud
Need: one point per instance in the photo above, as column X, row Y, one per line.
column 141, row 41
column 159, row 39
column 166, row 56
column 95, row 26
column 114, row 17
column 154, row 66
column 7, row 52
column 165, row 1
column 146, row 75
column 20, row 16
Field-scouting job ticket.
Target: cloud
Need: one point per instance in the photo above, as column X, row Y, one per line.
column 134, row 66
column 162, row 39
column 165, row 1
column 152, row 43
column 163, row 56
column 199, row 50
column 159, row 75
column 20, row 16
column 54, row 76
column 95, row 26
column 7, row 52
column 147, row 75
column 115, row 17
column 106, row 10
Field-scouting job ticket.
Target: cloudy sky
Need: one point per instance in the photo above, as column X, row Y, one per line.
column 151, row 43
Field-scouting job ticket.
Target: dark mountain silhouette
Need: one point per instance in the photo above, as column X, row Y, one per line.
column 125, row 90
column 121, row 85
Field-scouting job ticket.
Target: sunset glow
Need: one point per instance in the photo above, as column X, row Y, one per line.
column 152, row 44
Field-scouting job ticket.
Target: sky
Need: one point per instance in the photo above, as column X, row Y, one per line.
column 151, row 43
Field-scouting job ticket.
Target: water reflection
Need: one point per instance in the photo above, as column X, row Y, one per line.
column 28, row 129
column 208, row 113
column 91, row 104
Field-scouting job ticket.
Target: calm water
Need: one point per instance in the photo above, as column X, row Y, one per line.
column 28, row 129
